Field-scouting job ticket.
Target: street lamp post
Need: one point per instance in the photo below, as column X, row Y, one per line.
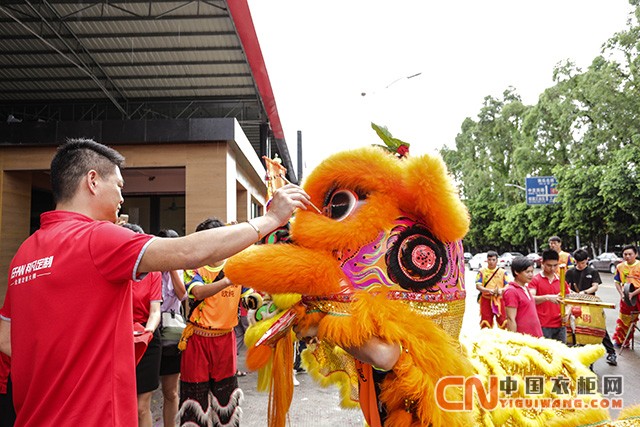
column 515, row 185
column 392, row 83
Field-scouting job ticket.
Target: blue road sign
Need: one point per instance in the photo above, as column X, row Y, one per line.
column 541, row 190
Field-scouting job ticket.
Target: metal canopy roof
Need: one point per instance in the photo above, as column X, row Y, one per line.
column 136, row 60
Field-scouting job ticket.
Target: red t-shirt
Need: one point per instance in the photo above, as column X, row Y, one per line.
column 144, row 292
column 519, row 297
column 548, row 312
column 69, row 303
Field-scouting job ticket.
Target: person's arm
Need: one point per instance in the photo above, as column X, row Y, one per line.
column 539, row 299
column 178, row 285
column 377, row 353
column 617, row 281
column 619, row 288
column 154, row 316
column 203, row 291
column 210, row 246
column 595, row 283
column 483, row 289
column 512, row 325
column 5, row 337
column 479, row 286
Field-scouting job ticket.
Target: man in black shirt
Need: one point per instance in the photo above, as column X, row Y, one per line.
column 585, row 280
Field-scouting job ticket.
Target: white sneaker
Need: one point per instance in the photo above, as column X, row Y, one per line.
column 295, row 380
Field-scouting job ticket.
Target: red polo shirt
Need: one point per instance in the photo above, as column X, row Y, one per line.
column 548, row 312
column 518, row 297
column 145, row 292
column 69, row 303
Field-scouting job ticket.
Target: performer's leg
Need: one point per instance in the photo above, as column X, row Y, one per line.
column 194, row 384
column 227, row 398
column 501, row 319
column 194, row 404
column 608, row 345
column 486, row 315
column 622, row 324
column 612, row 359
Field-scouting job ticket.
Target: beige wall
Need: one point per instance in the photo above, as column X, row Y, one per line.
column 212, row 174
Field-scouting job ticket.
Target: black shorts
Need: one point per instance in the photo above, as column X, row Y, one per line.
column 148, row 370
column 170, row 362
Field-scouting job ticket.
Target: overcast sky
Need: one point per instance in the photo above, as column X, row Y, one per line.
column 321, row 57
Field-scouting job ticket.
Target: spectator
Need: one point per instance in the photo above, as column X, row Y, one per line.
column 584, row 279
column 491, row 282
column 519, row 303
column 565, row 259
column 147, row 296
column 74, row 360
column 545, row 288
column 209, row 362
column 173, row 293
column 627, row 272
column 241, row 328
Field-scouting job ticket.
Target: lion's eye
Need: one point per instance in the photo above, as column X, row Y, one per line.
column 341, row 204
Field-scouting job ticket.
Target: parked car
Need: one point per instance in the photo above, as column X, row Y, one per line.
column 478, row 261
column 607, row 261
column 536, row 258
column 505, row 259
column 467, row 257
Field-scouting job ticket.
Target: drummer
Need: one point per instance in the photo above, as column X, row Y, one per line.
column 585, row 279
column 545, row 288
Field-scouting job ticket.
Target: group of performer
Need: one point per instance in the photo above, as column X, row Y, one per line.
column 567, row 278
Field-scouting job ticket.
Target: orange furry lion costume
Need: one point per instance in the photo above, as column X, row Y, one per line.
column 385, row 260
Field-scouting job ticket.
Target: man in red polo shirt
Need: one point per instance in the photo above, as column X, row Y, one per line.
column 545, row 288
column 67, row 317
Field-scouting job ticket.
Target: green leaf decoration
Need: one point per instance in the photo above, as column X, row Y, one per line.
column 391, row 144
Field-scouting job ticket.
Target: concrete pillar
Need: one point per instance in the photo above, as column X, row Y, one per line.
column 15, row 205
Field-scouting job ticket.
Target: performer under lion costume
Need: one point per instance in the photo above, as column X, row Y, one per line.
column 382, row 263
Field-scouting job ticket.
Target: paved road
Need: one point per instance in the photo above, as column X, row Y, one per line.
column 314, row 406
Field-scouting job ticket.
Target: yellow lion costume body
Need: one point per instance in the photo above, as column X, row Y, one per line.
column 385, row 260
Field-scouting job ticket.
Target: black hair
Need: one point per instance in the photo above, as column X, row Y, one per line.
column 492, row 254
column 632, row 247
column 520, row 264
column 167, row 232
column 550, row 255
column 580, row 255
column 209, row 223
column 133, row 227
column 74, row 159
column 555, row 239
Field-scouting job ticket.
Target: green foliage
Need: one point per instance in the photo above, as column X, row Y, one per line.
column 584, row 130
